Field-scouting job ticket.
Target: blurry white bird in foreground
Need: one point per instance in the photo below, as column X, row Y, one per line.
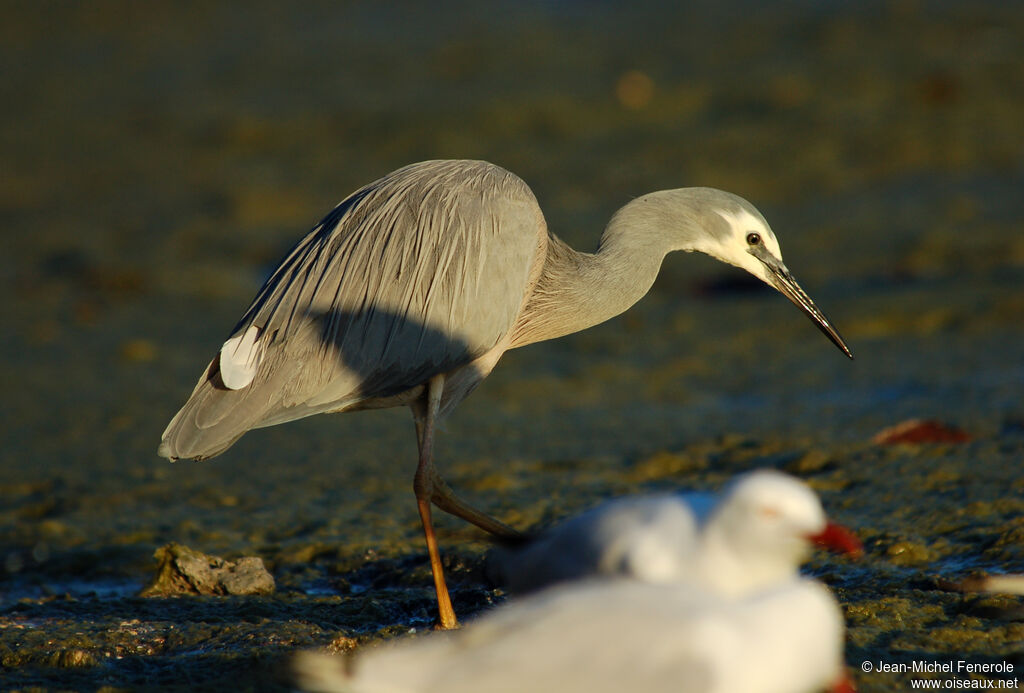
column 613, row 636
column 718, row 606
column 754, row 535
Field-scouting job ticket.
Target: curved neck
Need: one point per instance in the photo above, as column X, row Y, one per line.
column 579, row 290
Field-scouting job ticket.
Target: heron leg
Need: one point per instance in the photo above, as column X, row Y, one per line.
column 446, row 500
column 423, row 485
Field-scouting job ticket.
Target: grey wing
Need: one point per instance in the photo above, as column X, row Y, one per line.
column 416, row 274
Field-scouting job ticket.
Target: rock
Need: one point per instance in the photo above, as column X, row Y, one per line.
column 187, row 571
column 73, row 658
column 908, row 553
column 342, row 644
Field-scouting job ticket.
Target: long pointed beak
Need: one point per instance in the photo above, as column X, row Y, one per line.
column 839, row 539
column 782, row 280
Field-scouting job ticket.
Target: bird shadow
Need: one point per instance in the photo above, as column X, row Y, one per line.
column 389, row 352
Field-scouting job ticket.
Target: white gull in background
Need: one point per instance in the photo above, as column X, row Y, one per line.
column 610, row 636
column 756, row 534
column 995, row 583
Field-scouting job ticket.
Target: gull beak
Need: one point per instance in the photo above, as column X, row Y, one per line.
column 779, row 277
column 839, row 539
column 842, row 685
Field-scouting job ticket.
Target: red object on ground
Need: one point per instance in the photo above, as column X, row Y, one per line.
column 920, row 431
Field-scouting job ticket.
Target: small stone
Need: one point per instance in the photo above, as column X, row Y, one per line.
column 74, row 658
column 342, row 644
column 908, row 553
column 184, row 570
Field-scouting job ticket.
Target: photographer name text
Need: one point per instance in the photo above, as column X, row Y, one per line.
column 958, row 666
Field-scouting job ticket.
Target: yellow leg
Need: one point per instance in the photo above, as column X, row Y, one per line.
column 446, row 613
column 424, row 488
column 431, row 488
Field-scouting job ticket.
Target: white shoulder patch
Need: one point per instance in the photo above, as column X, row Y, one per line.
column 240, row 356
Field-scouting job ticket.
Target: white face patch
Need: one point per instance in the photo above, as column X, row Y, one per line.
column 733, row 249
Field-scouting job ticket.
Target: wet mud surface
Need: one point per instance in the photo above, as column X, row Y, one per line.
column 161, row 160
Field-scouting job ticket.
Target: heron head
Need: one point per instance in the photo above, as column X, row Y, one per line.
column 738, row 235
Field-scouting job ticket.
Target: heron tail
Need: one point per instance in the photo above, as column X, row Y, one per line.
column 215, row 416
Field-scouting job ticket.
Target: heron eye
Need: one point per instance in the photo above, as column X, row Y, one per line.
column 754, row 238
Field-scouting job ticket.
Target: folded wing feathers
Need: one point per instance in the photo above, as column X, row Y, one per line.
column 336, row 320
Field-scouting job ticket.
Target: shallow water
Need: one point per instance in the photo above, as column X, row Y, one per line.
column 161, row 160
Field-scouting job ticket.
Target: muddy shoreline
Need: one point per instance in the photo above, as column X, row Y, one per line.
column 163, row 159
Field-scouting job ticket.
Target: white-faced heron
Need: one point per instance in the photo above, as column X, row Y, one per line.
column 412, row 288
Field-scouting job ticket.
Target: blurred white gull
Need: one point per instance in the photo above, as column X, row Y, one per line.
column 996, row 583
column 610, row 636
column 756, row 534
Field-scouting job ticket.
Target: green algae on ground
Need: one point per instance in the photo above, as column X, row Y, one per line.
column 149, row 188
